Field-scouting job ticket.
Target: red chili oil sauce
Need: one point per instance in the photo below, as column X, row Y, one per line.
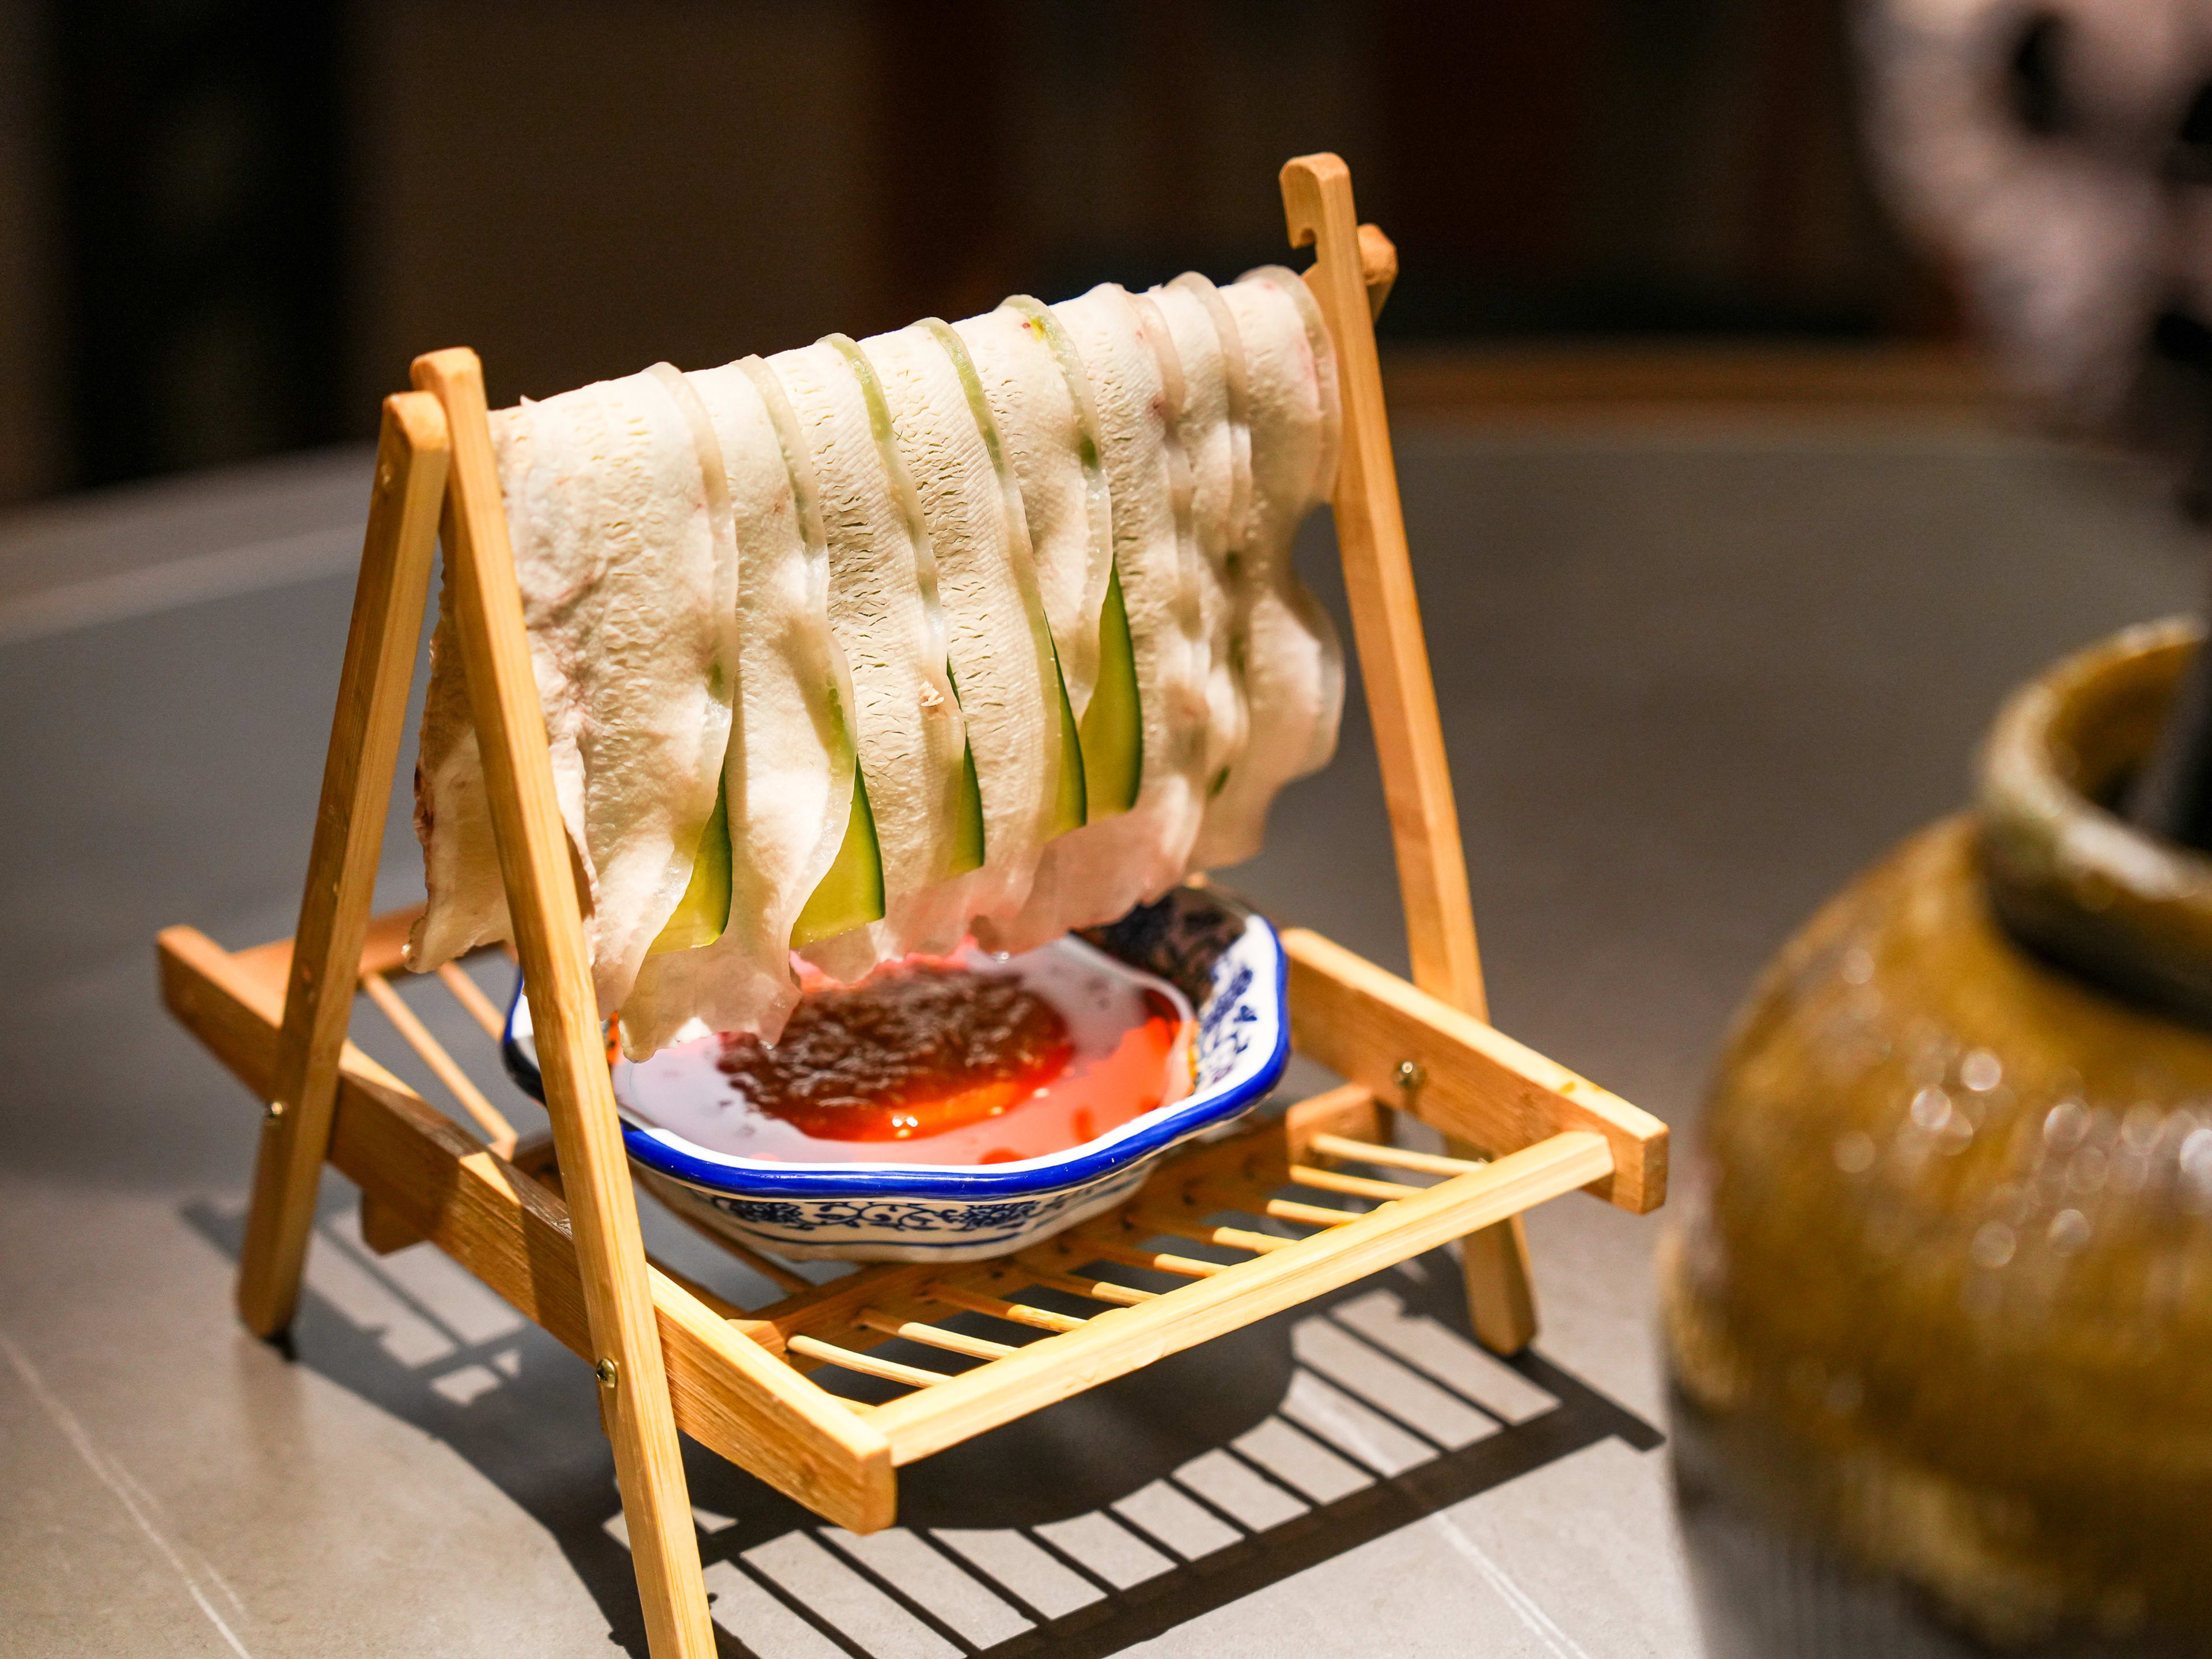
column 967, row 1059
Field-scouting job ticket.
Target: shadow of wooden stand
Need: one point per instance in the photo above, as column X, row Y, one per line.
column 552, row 1225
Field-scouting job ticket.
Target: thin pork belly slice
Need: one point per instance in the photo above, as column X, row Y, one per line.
column 883, row 613
column 628, row 595
column 467, row 903
column 1097, row 873
column 1218, row 446
column 1293, row 663
column 1319, row 342
column 788, row 779
column 1001, row 648
column 1040, row 399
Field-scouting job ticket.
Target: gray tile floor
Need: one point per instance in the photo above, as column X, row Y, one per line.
column 1691, row 680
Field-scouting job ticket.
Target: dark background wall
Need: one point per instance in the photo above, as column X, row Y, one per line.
column 226, row 225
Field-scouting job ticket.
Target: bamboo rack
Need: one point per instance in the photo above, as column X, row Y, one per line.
column 1217, row 1237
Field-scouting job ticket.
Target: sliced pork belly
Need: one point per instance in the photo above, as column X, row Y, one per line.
column 628, row 595
column 467, row 903
column 1040, row 399
column 1218, row 444
column 1322, row 748
column 1097, row 873
column 1000, row 648
column 884, row 612
column 1293, row 663
column 787, row 778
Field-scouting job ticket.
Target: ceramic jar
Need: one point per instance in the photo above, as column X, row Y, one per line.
column 1938, row 1300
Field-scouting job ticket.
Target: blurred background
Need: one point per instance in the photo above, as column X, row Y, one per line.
column 227, row 225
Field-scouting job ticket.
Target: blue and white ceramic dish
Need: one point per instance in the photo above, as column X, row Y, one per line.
column 1226, row 959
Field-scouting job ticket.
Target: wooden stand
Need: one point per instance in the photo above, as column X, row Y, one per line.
column 552, row 1225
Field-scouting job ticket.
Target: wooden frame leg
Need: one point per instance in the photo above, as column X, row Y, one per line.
column 549, row 933
column 1353, row 268
column 1501, row 1296
column 412, row 457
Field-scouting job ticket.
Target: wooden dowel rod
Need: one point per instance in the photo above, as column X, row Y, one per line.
column 1234, row 1238
column 413, row 452
column 933, row 1336
column 1013, row 1313
column 1330, row 1181
column 1280, row 1209
column 499, row 1133
column 1092, row 1290
column 1088, row 1246
column 1392, row 1158
column 466, row 992
column 889, row 1371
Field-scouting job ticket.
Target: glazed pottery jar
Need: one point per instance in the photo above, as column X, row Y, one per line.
column 1938, row 1303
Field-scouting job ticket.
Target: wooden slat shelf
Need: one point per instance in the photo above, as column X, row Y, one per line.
column 420, row 1167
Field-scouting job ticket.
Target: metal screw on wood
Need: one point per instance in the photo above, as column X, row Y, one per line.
column 275, row 1110
column 1411, row 1074
column 607, row 1373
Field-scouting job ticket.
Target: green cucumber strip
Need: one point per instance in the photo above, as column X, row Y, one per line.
column 1071, row 808
column 703, row 912
column 968, row 837
column 852, row 893
column 968, row 825
column 1113, row 725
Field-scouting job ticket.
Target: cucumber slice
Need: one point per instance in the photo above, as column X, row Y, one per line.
column 1071, row 808
column 852, row 893
column 1113, row 725
column 967, row 838
column 703, row 912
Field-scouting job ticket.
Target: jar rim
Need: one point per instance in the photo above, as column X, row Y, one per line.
column 2065, row 873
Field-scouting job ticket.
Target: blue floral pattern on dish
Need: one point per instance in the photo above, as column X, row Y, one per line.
column 1224, row 958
